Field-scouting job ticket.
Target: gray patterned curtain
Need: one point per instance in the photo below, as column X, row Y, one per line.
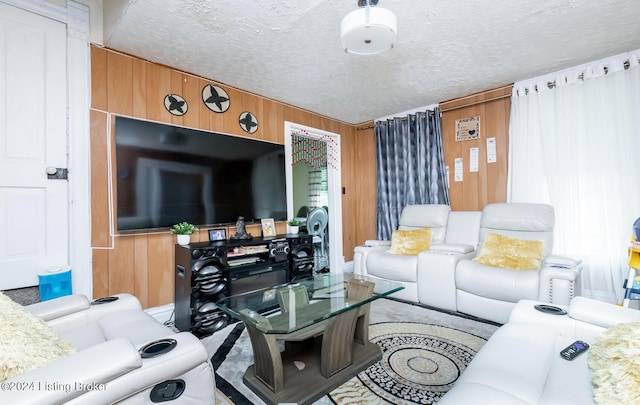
column 410, row 166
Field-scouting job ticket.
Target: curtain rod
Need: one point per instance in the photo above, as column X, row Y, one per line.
column 451, row 108
column 626, row 65
column 605, row 69
column 475, row 103
column 373, row 126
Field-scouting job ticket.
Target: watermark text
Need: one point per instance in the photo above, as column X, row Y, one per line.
column 51, row 386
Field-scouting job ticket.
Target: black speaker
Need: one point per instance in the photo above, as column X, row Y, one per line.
column 201, row 279
column 300, row 256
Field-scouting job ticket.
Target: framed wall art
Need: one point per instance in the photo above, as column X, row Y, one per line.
column 175, row 104
column 215, row 98
column 248, row 122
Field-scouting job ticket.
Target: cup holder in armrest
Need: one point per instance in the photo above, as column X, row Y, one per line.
column 157, row 348
column 104, row 300
column 550, row 309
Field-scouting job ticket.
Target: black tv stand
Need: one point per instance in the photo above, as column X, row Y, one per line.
column 205, row 272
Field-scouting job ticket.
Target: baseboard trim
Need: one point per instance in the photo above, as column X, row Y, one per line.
column 162, row 314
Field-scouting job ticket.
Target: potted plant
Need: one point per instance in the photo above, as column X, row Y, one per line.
column 293, row 226
column 183, row 230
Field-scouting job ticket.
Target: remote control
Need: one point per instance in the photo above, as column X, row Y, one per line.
column 576, row 348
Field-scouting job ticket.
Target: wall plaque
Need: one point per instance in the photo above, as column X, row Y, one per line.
column 468, row 129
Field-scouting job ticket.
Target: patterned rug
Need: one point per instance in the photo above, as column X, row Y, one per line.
column 420, row 363
column 424, row 351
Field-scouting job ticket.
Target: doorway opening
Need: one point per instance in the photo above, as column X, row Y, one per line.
column 314, row 156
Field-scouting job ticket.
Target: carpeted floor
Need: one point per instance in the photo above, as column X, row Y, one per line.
column 24, row 296
column 424, row 352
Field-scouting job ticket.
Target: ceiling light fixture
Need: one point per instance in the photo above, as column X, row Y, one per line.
column 368, row 30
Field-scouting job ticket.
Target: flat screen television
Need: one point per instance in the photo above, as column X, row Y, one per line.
column 167, row 174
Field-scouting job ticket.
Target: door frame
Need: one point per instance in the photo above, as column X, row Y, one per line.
column 76, row 17
column 334, row 178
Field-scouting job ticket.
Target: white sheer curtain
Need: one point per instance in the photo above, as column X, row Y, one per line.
column 574, row 142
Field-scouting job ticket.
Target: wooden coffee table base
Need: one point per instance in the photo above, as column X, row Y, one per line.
column 316, row 358
column 308, row 385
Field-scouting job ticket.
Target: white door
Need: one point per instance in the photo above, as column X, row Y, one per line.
column 33, row 136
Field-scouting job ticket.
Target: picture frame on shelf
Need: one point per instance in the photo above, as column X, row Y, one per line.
column 217, row 234
column 268, row 227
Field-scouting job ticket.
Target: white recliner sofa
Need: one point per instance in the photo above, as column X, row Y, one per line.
column 521, row 364
column 455, row 231
column 445, row 276
column 123, row 355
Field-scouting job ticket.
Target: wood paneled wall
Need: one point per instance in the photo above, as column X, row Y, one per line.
column 477, row 189
column 489, row 183
column 366, row 187
column 143, row 263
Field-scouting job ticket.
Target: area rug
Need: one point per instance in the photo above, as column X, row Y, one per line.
column 424, row 352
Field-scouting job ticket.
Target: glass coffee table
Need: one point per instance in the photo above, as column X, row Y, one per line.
column 308, row 337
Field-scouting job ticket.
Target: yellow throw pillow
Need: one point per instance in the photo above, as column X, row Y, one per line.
column 408, row 243
column 502, row 251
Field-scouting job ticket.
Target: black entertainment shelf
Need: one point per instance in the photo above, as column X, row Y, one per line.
column 205, row 272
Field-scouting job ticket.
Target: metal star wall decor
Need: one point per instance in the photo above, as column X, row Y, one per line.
column 248, row 122
column 215, row 98
column 175, row 104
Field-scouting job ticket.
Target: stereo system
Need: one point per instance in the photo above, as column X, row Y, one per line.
column 209, row 271
column 279, row 250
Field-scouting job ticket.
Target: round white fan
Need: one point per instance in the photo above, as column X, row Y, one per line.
column 317, row 222
column 317, row 227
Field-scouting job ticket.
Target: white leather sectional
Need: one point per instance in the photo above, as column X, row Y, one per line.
column 446, row 277
column 109, row 366
column 521, row 364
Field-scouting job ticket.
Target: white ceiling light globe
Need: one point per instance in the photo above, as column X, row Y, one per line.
column 367, row 36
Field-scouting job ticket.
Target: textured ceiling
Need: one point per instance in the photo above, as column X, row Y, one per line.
column 289, row 50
